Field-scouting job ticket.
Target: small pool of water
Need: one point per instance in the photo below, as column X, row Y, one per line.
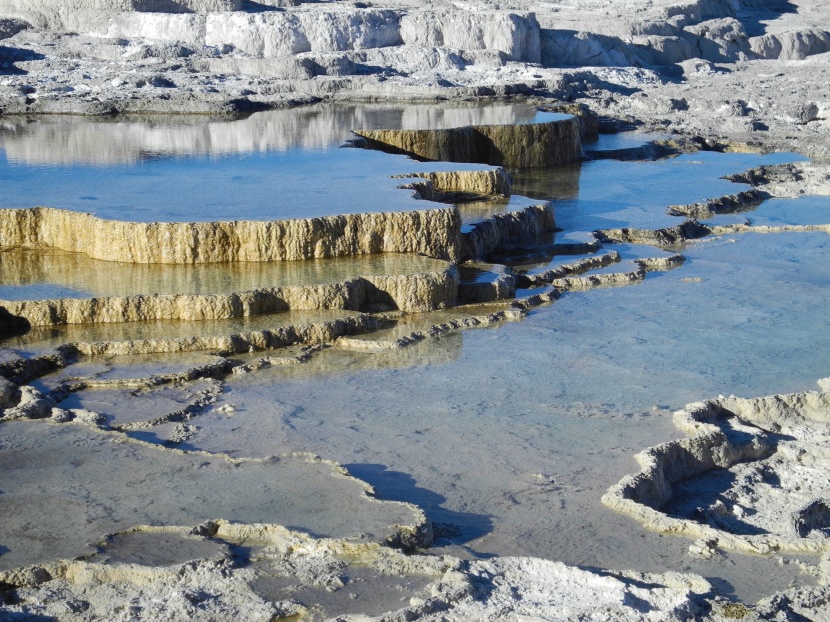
column 271, row 165
column 44, row 274
column 608, row 194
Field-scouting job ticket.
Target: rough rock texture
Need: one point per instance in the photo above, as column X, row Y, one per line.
column 527, row 145
column 453, row 590
column 736, row 70
column 249, row 341
column 83, row 15
column 430, row 232
column 446, row 186
column 788, row 180
column 729, row 204
column 498, row 232
column 418, row 292
column 515, row 36
column 667, row 236
column 786, row 436
column 485, row 283
column 584, row 265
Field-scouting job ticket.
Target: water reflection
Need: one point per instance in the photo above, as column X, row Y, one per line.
column 273, row 165
column 48, row 273
column 61, row 140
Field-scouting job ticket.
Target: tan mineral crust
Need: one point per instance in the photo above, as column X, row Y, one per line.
column 430, row 232
column 220, row 536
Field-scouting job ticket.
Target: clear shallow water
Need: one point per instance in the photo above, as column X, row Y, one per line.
column 527, row 425
column 272, row 165
column 44, row 274
column 608, row 194
column 512, row 434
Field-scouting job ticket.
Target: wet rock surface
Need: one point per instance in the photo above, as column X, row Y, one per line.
column 85, row 403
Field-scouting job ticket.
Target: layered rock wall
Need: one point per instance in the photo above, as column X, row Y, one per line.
column 528, row 145
column 514, row 35
column 499, row 231
column 723, row 433
column 429, row 232
column 416, row 292
column 487, row 182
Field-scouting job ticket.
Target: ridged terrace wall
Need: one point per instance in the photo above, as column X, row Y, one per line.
column 529, row 145
column 505, row 228
column 433, row 233
column 411, row 292
column 495, row 181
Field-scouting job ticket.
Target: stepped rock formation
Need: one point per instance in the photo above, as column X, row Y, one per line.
column 525, row 146
column 498, row 232
column 431, row 232
column 81, row 15
column 412, row 293
column 784, row 435
column 669, row 63
column 444, row 185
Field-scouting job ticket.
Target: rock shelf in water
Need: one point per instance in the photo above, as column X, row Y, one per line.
column 519, row 146
column 773, row 496
column 723, row 71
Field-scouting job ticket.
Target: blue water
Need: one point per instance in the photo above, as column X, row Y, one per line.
column 613, row 194
column 279, row 165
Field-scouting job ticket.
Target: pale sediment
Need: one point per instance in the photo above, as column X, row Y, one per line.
column 459, row 187
column 311, row 333
column 614, row 279
column 584, row 265
column 525, row 145
column 788, row 180
column 445, row 588
column 430, row 232
column 782, row 438
column 666, row 236
column 693, row 230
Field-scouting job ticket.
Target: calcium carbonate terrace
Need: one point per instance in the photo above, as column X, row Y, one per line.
column 525, row 426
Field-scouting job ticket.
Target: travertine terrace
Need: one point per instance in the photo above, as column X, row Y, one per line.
column 148, row 417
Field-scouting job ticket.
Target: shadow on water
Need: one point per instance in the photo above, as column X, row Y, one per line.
column 448, row 525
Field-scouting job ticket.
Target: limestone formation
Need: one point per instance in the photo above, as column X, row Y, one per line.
column 84, row 15
column 455, row 186
column 716, row 74
column 250, row 341
column 788, row 180
column 498, row 232
column 502, row 588
column 745, row 436
column 527, row 145
column 430, row 232
column 549, row 276
column 416, row 292
column 729, row 204
column 485, row 283
column 667, row 236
